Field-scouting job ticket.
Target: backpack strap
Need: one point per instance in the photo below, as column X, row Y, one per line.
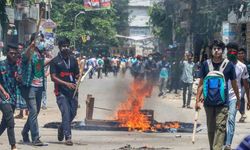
column 223, row 65
column 210, row 65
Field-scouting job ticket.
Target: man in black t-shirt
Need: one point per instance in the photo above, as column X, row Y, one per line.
column 217, row 114
column 64, row 72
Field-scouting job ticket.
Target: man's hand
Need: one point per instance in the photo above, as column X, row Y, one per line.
column 71, row 85
column 238, row 104
column 32, row 45
column 7, row 96
column 248, row 105
column 197, row 106
column 18, row 78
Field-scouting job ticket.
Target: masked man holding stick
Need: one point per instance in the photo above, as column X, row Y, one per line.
column 64, row 72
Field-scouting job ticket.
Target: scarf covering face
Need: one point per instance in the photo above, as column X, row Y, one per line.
column 232, row 56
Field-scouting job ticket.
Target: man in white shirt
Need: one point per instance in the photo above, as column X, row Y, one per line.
column 241, row 74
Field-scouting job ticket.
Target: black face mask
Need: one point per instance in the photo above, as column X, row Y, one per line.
column 65, row 51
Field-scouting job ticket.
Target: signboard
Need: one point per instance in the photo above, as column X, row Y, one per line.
column 96, row 4
column 49, row 35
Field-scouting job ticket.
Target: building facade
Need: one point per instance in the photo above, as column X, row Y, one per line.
column 140, row 35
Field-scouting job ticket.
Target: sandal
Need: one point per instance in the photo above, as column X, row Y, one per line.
column 19, row 116
column 242, row 119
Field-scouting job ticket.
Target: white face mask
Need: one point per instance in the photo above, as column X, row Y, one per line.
column 150, row 58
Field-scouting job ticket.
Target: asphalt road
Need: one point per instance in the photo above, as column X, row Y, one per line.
column 109, row 92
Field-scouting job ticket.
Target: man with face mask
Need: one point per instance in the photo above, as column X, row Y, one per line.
column 64, row 72
column 241, row 74
column 31, row 76
column 216, row 105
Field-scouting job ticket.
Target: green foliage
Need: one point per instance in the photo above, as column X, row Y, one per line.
column 206, row 17
column 101, row 26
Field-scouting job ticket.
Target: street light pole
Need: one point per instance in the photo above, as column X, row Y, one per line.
column 81, row 12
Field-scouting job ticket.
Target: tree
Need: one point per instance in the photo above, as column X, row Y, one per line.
column 204, row 17
column 101, row 26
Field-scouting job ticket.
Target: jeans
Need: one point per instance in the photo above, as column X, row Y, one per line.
column 99, row 72
column 68, row 108
column 163, row 84
column 33, row 97
column 44, row 95
column 8, row 122
column 242, row 101
column 231, row 121
column 187, row 86
column 216, row 126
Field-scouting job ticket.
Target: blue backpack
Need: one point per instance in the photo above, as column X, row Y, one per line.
column 214, row 85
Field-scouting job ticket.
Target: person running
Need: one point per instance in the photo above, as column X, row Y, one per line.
column 64, row 72
column 8, row 86
column 241, row 74
column 99, row 67
column 214, row 76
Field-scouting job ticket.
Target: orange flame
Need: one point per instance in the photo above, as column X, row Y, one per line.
column 129, row 114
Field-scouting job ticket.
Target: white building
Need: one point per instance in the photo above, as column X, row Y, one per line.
column 140, row 34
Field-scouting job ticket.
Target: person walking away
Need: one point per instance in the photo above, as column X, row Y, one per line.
column 187, row 79
column 106, row 66
column 164, row 74
column 123, row 65
column 241, row 75
column 242, row 58
column 115, row 62
column 8, row 88
column 214, row 76
column 90, row 63
column 64, row 72
column 100, row 64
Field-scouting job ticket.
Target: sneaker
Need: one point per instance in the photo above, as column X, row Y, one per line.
column 69, row 142
column 189, row 107
column 243, row 118
column 38, row 142
column 25, row 137
column 183, row 106
column 19, row 116
column 60, row 135
column 227, row 147
column 44, row 107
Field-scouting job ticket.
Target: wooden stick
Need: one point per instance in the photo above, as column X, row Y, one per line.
column 81, row 78
column 37, row 30
column 195, row 125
